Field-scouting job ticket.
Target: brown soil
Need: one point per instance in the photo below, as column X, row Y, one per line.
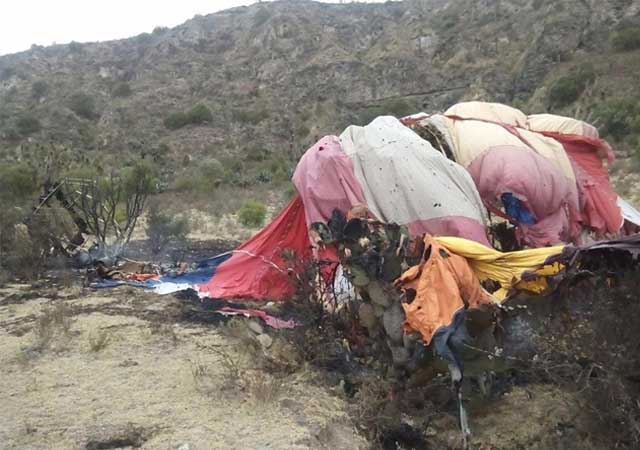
column 155, row 385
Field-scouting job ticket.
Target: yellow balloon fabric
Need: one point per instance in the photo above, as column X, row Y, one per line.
column 505, row 268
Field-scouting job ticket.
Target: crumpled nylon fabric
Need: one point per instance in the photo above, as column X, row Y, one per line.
column 505, row 268
column 443, row 283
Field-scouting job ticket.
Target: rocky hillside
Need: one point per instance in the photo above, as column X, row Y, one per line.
column 269, row 79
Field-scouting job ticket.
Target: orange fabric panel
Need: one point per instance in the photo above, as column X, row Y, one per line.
column 444, row 283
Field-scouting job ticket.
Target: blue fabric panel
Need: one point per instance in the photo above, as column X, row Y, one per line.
column 202, row 274
column 516, row 210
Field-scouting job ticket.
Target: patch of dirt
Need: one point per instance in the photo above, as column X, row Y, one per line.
column 150, row 375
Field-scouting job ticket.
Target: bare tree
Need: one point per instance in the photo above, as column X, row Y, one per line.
column 111, row 205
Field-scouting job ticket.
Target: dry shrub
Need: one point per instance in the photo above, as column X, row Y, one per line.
column 204, row 381
column 54, row 323
column 281, row 358
column 263, row 388
column 228, row 377
column 370, row 407
column 591, row 347
column 99, row 340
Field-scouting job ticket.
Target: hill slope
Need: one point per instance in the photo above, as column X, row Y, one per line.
column 276, row 76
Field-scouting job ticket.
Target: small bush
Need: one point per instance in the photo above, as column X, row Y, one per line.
column 619, row 118
column 252, row 214
column 264, row 388
column 626, row 38
column 122, row 90
column 83, row 105
column 99, row 340
column 212, row 170
column 176, row 120
column 568, row 89
column 199, row 114
column 28, row 124
column 55, row 321
column 185, row 182
column 17, row 182
column 164, row 229
column 39, row 89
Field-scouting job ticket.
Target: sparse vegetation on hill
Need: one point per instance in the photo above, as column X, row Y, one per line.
column 626, row 38
column 275, row 77
column 198, row 115
column 122, row 90
column 568, row 88
column 83, row 105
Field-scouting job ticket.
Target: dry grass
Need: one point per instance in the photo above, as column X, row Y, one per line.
column 99, row 340
column 53, row 324
column 248, row 372
column 263, row 388
column 225, row 377
column 163, row 331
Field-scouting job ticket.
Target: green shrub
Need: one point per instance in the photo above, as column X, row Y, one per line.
column 619, row 118
column 206, row 177
column 160, row 152
column 28, row 124
column 200, row 114
column 252, row 214
column 233, row 170
column 212, row 170
column 626, row 38
column 142, row 178
column 278, row 169
column 176, row 120
column 197, row 115
column 185, row 182
column 83, row 105
column 121, row 90
column 17, row 182
column 38, row 89
column 568, row 89
column 164, row 229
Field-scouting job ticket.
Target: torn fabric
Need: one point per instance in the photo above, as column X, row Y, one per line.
column 443, row 283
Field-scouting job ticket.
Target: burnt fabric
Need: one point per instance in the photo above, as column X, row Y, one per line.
column 443, row 283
